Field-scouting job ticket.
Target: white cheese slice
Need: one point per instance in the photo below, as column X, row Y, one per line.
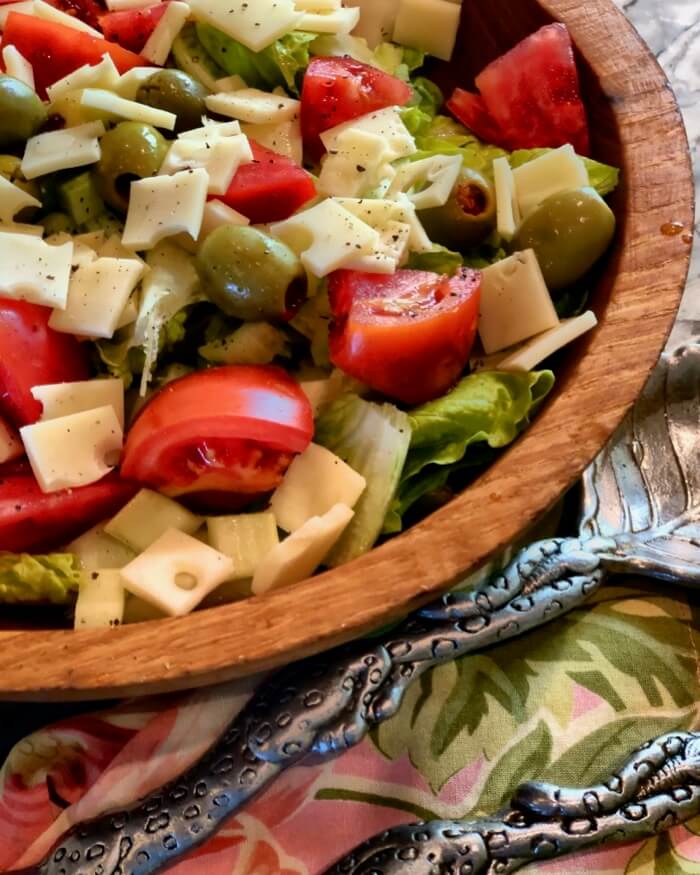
column 284, row 138
column 97, row 295
column 83, row 251
column 221, row 159
column 507, row 208
column 33, row 270
column 216, row 214
column 384, row 123
column 107, row 101
column 102, row 75
column 342, row 20
column 428, row 182
column 377, row 18
column 13, row 199
column 10, row 444
column 50, row 13
column 299, row 555
column 17, row 66
column 379, row 212
column 255, row 23
column 160, row 41
column 253, row 106
column 357, row 164
column 176, row 572
column 428, row 25
column 73, row 450
column 551, row 173
column 515, row 303
column 62, row 150
column 20, row 228
column 318, row 5
column 26, row 7
column 130, row 82
column 129, row 313
column 147, row 517
column 112, row 247
column 229, row 83
column 162, row 206
column 315, row 482
column 96, row 550
column 63, row 399
column 101, row 600
column 212, row 131
column 540, row 347
column 120, row 5
column 326, row 237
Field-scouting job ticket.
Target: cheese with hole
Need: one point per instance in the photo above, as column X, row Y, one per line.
column 101, row 599
column 17, row 66
column 299, row 555
column 342, row 20
column 428, row 25
column 102, row 75
column 62, row 150
column 147, row 517
column 130, row 82
column 10, row 444
column 384, row 123
column 253, row 106
column 97, row 550
column 326, row 237
column 515, row 303
column 358, row 163
column 161, row 206
column 315, row 482
column 33, row 270
column 161, row 40
column 97, row 295
column 51, row 13
column 26, row 7
column 255, row 23
column 507, row 207
column 73, row 450
column 130, row 110
column 13, row 199
column 176, row 572
column 63, row 399
column 540, row 347
column 554, row 172
column 21, row 228
column 221, row 159
column 428, row 182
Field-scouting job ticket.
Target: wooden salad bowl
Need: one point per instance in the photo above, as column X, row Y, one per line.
column 636, row 125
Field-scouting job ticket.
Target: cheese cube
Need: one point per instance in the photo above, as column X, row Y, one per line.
column 147, row 517
column 101, row 599
column 515, row 302
column 10, row 443
column 551, row 173
column 507, row 208
column 17, row 66
column 540, row 347
column 256, row 24
column 384, row 123
column 254, row 106
column 51, row 13
column 102, row 75
column 299, row 555
column 107, row 101
column 428, row 182
column 428, row 25
column 176, row 572
column 13, row 199
column 160, row 41
column 283, row 138
column 97, row 295
column 62, row 150
column 336, row 21
column 73, row 450
column 221, row 159
column 63, row 399
column 130, row 82
column 161, row 206
column 33, row 270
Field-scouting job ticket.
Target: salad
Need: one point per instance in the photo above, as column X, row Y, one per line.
column 267, row 296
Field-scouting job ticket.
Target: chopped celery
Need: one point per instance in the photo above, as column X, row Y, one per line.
column 100, row 600
column 147, row 516
column 246, row 538
column 80, row 199
column 96, row 549
column 254, row 343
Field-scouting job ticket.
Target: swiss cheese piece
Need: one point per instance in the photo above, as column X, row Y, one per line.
column 120, row 5
column 212, row 131
column 358, row 163
column 63, row 399
column 284, row 138
column 97, row 296
column 162, row 206
column 160, row 41
column 379, row 212
column 102, row 75
column 507, row 208
column 62, row 150
column 216, row 214
column 254, row 106
column 10, row 443
column 540, row 347
column 33, row 270
column 384, row 123
column 428, row 182
column 130, row 82
column 255, row 23
column 101, row 600
column 342, row 20
column 554, row 172
column 428, row 25
column 17, row 66
column 13, row 199
column 315, row 482
column 515, row 303
column 221, row 159
column 376, row 23
column 107, row 101
column 73, row 450
column 147, row 517
column 229, row 83
column 20, row 228
column 176, row 572
column 299, row 555
column 51, row 13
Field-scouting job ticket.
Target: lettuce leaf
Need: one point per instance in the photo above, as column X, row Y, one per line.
column 439, row 260
column 444, row 136
column 26, row 579
column 603, row 178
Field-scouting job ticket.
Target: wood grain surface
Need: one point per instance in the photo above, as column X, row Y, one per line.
column 635, row 123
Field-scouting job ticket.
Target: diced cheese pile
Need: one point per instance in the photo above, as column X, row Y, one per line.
column 220, row 149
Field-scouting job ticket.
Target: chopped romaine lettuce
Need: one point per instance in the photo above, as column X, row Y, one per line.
column 312, row 322
column 426, row 96
column 444, row 136
column 439, row 260
column 602, row 177
column 26, row 579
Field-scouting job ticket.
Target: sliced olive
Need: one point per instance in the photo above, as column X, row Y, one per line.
column 21, row 112
column 176, row 92
column 130, row 151
column 468, row 216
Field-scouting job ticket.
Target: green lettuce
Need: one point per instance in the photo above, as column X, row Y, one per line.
column 281, row 63
column 602, row 177
column 26, row 579
column 444, row 136
column 439, row 260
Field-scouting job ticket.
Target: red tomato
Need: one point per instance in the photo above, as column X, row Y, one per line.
column 531, row 95
column 336, row 90
column 55, row 50
column 33, row 355
column 131, row 28
column 33, row 520
column 232, row 430
column 407, row 335
column 270, row 188
column 471, row 110
column 88, row 11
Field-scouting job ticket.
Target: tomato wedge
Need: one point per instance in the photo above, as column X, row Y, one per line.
column 33, row 520
column 407, row 335
column 33, row 355
column 336, row 90
column 55, row 50
column 131, row 28
column 223, row 436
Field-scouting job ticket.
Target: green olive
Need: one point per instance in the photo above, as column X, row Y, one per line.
column 249, row 275
column 130, row 151
column 21, row 112
column 468, row 216
column 569, row 232
column 177, row 92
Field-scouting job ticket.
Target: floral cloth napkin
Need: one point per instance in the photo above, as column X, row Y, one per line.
column 566, row 703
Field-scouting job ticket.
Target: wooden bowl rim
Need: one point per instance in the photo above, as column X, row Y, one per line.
column 259, row 633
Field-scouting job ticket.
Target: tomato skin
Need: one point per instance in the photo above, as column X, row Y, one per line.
column 131, row 28
column 336, row 90
column 33, row 355
column 231, row 430
column 33, row 520
column 471, row 110
column 270, row 188
column 407, row 335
